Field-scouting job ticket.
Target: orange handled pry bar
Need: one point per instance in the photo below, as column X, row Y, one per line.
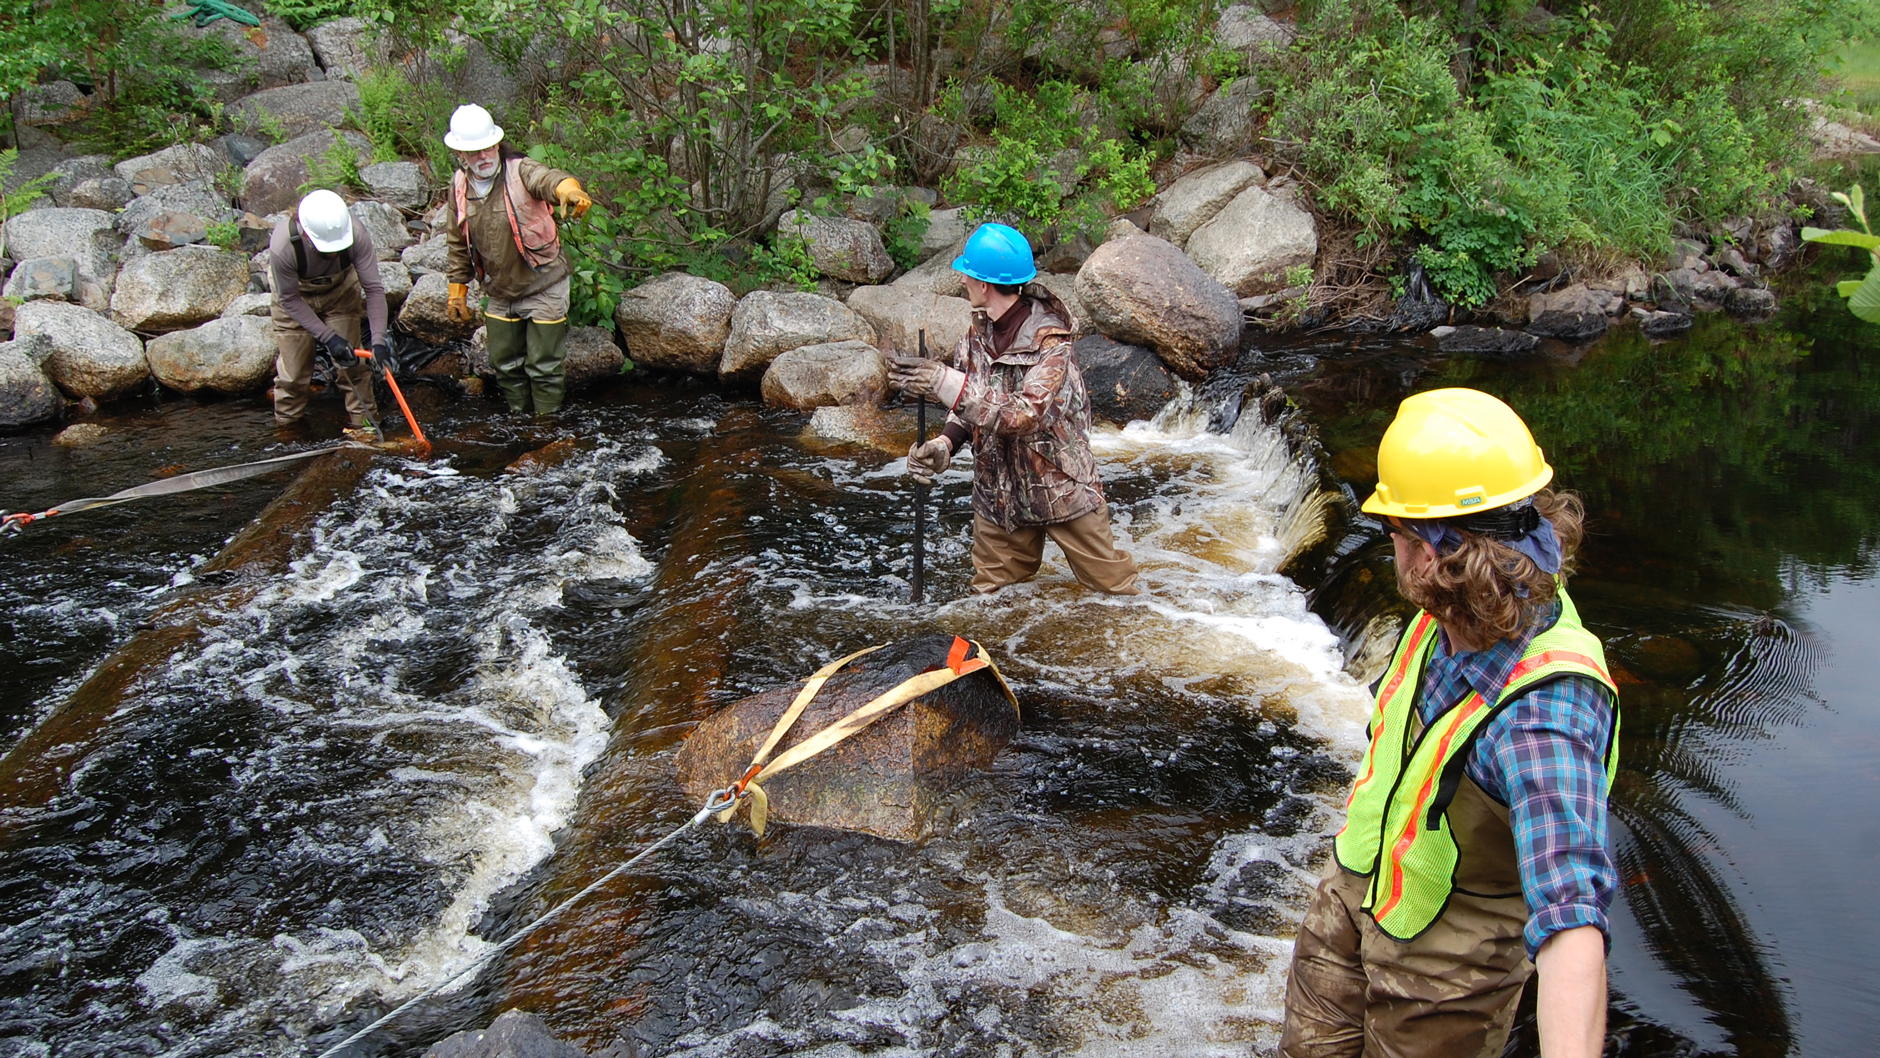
column 424, row 446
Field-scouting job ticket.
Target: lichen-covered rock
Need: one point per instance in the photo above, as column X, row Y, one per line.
column 1245, row 28
column 271, row 182
column 850, row 250
column 169, row 230
column 1223, row 124
column 267, row 56
column 766, row 324
column 27, row 396
column 424, row 317
column 233, row 355
column 399, row 183
column 249, row 305
column 946, row 228
column 180, row 288
column 298, row 108
column 935, row 275
column 899, row 313
column 1125, row 382
column 429, row 255
column 178, row 164
column 1143, row 291
column 1571, row 314
column 386, row 226
column 397, row 284
column 68, row 173
column 54, row 103
column 676, row 322
column 100, row 192
column 813, row 376
column 194, row 197
column 888, row 779
column 87, row 236
column 1253, row 240
column 1197, row 197
column 347, row 47
column 43, row 277
column 90, row 355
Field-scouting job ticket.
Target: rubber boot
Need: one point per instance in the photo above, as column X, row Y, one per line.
column 508, row 346
column 548, row 343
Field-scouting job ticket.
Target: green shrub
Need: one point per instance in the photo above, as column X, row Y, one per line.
column 225, row 234
column 305, row 14
column 905, row 232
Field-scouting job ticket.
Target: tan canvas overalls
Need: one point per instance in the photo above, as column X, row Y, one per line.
column 338, row 300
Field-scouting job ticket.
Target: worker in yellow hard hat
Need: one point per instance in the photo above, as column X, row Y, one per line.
column 502, row 232
column 1474, row 851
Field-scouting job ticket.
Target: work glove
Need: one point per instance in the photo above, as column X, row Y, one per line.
column 571, row 198
column 383, row 356
column 458, row 309
column 925, row 461
column 338, row 350
column 920, row 377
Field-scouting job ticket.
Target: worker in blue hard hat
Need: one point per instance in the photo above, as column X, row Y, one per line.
column 1013, row 389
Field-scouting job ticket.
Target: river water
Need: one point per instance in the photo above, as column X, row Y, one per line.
column 460, row 703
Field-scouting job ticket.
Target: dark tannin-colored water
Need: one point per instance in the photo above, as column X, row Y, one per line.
column 461, row 703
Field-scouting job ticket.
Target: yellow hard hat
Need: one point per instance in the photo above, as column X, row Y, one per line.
column 1455, row 451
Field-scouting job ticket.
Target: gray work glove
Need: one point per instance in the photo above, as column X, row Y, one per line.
column 918, row 377
column 926, row 461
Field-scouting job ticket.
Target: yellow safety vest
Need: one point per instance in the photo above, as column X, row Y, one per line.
column 1396, row 820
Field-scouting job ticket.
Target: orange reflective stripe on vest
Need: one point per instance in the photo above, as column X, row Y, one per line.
column 1396, row 825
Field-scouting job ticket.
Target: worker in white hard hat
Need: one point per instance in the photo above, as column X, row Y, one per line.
column 326, row 278
column 502, row 233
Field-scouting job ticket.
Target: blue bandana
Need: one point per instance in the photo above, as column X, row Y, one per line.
column 1541, row 544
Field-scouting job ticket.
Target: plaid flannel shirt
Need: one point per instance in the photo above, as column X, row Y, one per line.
column 1544, row 758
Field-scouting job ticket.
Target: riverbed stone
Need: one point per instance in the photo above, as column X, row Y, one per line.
column 899, row 314
column 43, row 277
column 1143, row 291
column 766, row 324
column 180, row 288
column 297, row 108
column 424, row 314
column 271, row 182
column 169, row 230
column 888, row 779
column 232, row 355
column 514, row 1034
column 1125, row 382
column 592, row 356
column 1253, row 240
column 1713, row 286
column 399, row 183
column 268, row 56
column 250, row 305
column 386, row 225
column 676, row 322
column 90, row 355
column 68, row 173
column 1662, row 324
column 1571, row 314
column 80, row 435
column 1223, row 124
column 1484, row 341
column 1675, row 290
column 850, row 250
column 100, row 192
column 814, row 376
column 27, row 396
column 1754, row 303
column 88, row 236
column 427, row 255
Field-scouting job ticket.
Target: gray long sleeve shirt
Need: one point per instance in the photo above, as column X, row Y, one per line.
column 287, row 276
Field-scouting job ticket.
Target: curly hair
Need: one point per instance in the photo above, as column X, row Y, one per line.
column 1485, row 591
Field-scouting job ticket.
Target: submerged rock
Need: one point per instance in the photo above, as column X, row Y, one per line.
column 1574, row 314
column 1751, row 303
column 1125, row 382
column 889, row 430
column 1484, row 341
column 515, row 1034
column 888, row 779
column 1662, row 324
column 80, row 435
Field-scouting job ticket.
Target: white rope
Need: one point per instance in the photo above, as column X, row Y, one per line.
column 718, row 801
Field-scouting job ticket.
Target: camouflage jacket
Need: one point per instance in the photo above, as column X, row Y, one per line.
column 1028, row 417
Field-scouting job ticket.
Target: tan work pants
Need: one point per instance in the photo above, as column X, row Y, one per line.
column 1450, row 993
column 1001, row 557
column 343, row 307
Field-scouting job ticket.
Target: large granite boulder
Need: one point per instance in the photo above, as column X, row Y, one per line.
column 87, row 236
column 1197, row 197
column 1245, row 28
column 43, row 277
column 814, row 376
column 1065, row 287
column 178, row 288
column 899, row 314
column 946, row 228
column 428, row 255
column 68, row 173
column 299, row 108
column 399, row 183
column 845, row 249
column 676, row 322
column 100, row 192
column 267, row 56
column 54, row 103
column 386, row 225
column 27, row 396
column 171, row 165
column 1142, row 290
column 1223, row 124
column 888, row 779
column 347, row 47
column 935, row 275
column 397, row 284
column 271, row 183
column 233, row 355
column 195, row 197
column 1125, row 382
column 515, row 1034
column 424, row 317
column 1571, row 314
column 91, row 356
column 1253, row 240
column 766, row 324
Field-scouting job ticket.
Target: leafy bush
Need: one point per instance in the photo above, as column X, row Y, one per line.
column 305, row 14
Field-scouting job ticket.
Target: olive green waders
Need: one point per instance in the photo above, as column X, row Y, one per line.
column 528, row 339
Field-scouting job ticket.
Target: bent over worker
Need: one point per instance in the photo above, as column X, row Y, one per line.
column 502, row 233
column 1475, row 833
column 326, row 277
column 1014, row 391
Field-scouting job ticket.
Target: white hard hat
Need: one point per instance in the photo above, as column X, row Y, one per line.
column 472, row 129
column 323, row 216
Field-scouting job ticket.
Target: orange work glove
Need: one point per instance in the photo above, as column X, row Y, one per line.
column 571, row 198
column 459, row 309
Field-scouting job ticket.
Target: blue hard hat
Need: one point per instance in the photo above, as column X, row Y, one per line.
column 997, row 253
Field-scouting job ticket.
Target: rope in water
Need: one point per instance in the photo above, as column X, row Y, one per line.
column 201, row 479
column 718, row 802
